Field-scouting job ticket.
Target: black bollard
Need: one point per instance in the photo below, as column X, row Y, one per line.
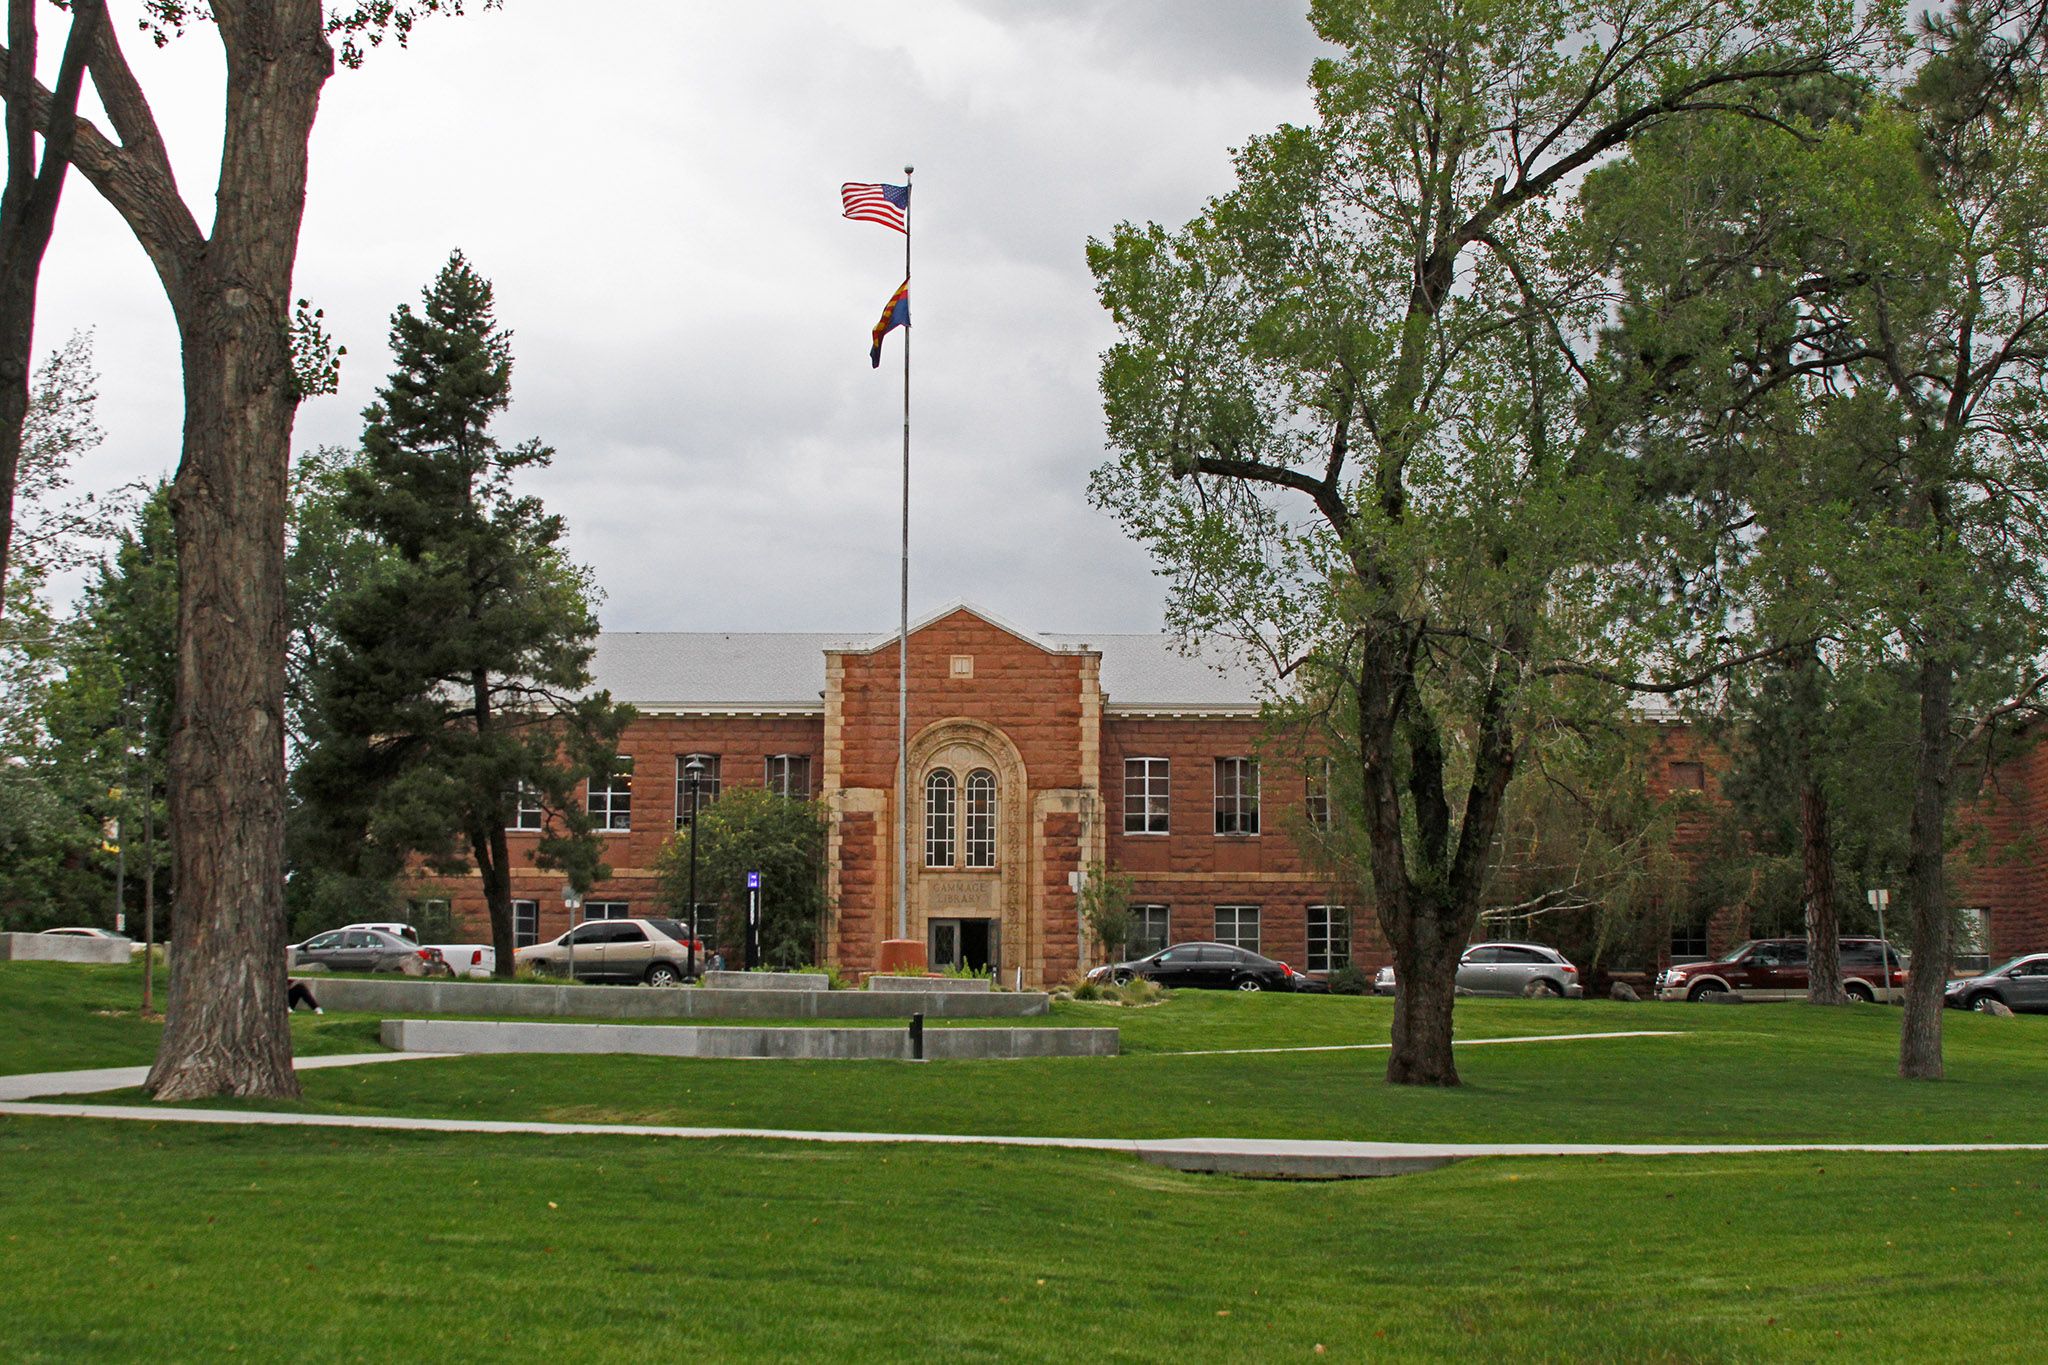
column 917, row 1036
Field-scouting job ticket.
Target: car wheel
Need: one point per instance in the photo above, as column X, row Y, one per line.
column 1249, row 983
column 662, row 974
column 1984, row 1000
column 1543, row 988
column 1124, row 978
column 1702, row 991
column 1858, row 992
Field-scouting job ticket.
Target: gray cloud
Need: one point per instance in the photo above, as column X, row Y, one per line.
column 654, row 190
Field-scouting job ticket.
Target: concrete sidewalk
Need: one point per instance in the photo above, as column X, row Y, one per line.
column 1272, row 1157
column 39, row 1084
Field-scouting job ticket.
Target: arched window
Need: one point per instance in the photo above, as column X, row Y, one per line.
column 938, row 819
column 981, row 818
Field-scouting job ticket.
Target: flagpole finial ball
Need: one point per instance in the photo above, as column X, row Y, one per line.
column 910, row 170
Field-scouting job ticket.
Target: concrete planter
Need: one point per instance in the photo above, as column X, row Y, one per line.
column 683, row 1040
column 972, row 985
column 105, row 952
column 766, row 981
column 401, row 996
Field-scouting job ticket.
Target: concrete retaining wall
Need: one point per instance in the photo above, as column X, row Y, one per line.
column 401, row 996
column 767, row 981
column 108, row 952
column 684, row 1040
column 970, row 985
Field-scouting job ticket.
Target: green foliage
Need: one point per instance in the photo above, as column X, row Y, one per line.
column 1106, row 907
column 752, row 829
column 447, row 637
column 1349, row 980
column 1359, row 421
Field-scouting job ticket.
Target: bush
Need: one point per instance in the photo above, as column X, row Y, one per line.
column 1350, row 981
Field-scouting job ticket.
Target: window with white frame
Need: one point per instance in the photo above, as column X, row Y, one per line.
column 981, row 818
column 788, row 775
column 1329, row 938
column 526, row 808
column 607, row 909
column 1146, row 784
column 1237, row 796
column 525, row 923
column 1150, row 930
column 707, row 784
column 938, row 818
column 1316, row 796
column 611, row 796
column 1238, row 925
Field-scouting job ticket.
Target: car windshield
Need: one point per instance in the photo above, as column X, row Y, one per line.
column 2008, row 966
column 1736, row 953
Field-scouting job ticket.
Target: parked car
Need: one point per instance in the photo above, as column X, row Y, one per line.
column 2021, row 985
column 1506, row 969
column 1776, row 969
column 467, row 959
column 362, row 950
column 656, row 951
column 1213, row 966
column 79, row 931
column 388, row 927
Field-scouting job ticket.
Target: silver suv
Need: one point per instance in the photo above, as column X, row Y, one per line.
column 626, row 950
column 1507, row 969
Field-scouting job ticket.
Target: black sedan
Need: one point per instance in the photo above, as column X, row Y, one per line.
column 1215, row 966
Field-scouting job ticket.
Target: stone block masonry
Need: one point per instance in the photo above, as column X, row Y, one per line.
column 739, row 1041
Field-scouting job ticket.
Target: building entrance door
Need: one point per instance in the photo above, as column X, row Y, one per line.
column 972, row 943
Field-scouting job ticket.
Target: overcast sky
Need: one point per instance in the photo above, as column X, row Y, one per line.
column 654, row 190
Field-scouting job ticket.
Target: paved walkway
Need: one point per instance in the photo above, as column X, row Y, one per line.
column 37, row 1085
column 1456, row 1042
column 1298, row 1159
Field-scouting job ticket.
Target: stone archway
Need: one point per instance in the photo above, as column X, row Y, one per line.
column 972, row 895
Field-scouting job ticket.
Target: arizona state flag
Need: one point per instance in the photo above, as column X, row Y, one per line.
column 895, row 313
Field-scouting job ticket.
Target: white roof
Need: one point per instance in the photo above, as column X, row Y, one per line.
column 785, row 671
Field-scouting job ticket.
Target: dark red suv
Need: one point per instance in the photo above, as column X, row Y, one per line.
column 1775, row 969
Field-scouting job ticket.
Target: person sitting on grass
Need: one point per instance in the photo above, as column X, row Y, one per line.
column 297, row 993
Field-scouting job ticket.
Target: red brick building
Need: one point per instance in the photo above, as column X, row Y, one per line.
column 1033, row 756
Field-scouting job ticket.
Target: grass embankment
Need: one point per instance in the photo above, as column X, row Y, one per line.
column 318, row 1246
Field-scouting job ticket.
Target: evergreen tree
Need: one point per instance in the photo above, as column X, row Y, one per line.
column 455, row 676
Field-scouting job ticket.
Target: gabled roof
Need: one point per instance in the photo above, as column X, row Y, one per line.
column 762, row 671
column 1045, row 642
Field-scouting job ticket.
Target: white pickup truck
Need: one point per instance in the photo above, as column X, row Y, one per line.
column 460, row 959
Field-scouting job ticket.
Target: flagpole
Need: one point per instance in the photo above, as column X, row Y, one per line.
column 903, row 629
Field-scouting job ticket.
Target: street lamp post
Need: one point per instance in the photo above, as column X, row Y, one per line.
column 572, row 900
column 693, row 771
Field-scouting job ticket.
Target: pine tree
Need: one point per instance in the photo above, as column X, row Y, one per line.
column 458, row 672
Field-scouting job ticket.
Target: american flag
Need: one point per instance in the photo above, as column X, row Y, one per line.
column 888, row 205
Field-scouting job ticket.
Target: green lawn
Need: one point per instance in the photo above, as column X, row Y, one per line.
column 1745, row 1073
column 126, row 1242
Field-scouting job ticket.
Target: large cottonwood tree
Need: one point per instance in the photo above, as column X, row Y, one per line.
column 229, row 287
column 1350, row 405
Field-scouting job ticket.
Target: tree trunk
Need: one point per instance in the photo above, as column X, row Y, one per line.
column 1926, row 890
column 1425, row 976
column 1823, row 929
column 494, row 868
column 227, row 1030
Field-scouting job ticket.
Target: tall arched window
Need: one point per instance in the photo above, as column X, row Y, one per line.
column 981, row 818
column 938, row 819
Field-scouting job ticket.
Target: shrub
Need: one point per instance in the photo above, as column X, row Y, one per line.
column 1350, row 981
